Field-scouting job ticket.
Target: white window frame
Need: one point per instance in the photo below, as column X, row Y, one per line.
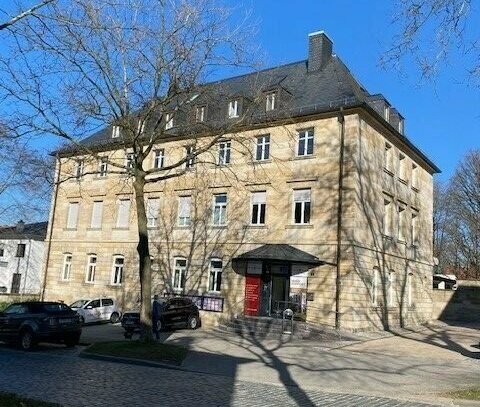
column 388, row 215
column 67, row 266
column 307, row 135
column 152, row 210
column 303, row 204
column 129, row 162
column 159, row 158
column 414, row 215
column 409, row 290
column 415, row 176
column 179, row 284
column 200, row 114
column 141, row 127
column 72, row 215
column 388, row 158
column 224, row 152
column 184, row 221
column 402, row 222
column 219, row 212
column 261, row 144
column 79, row 167
column 375, row 280
column 91, row 268
column 189, row 162
column 271, row 101
column 213, row 274
column 258, row 199
column 123, row 223
column 102, row 166
column 387, row 113
column 233, row 108
column 117, row 270
column 402, row 167
column 97, row 215
column 168, row 121
column 391, row 288
column 115, row 131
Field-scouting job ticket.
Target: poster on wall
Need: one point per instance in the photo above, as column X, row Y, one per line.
column 299, row 277
column 252, row 295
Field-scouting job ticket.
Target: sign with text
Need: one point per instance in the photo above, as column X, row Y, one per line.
column 252, row 295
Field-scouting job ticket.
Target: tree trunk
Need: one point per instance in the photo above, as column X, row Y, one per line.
column 145, row 269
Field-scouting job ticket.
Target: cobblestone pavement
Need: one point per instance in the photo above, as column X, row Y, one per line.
column 59, row 375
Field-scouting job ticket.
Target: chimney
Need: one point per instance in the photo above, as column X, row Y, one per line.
column 20, row 226
column 319, row 50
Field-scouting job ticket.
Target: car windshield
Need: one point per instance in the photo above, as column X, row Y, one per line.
column 79, row 304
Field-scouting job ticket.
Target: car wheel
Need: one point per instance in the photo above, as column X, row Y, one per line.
column 72, row 341
column 193, row 322
column 114, row 318
column 159, row 325
column 27, row 340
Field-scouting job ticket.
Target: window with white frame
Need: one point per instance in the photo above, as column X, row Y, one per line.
column 388, row 158
column 79, row 167
column 115, row 131
column 233, row 109
column 97, row 215
column 224, row 150
column 200, row 114
column 220, row 209
column 259, row 206
column 179, row 273
column 386, row 112
column 215, row 275
column 402, row 222
column 168, row 121
column 153, row 207
column 305, row 142
column 375, row 281
column 414, row 228
column 141, row 126
column 414, row 176
column 402, row 167
column 271, row 101
column 117, row 270
column 391, row 288
column 301, row 206
column 190, row 162
column 102, row 167
column 409, row 290
column 67, row 266
column 387, row 215
column 91, row 268
column 184, row 204
column 129, row 162
column 72, row 216
column 262, row 148
column 159, row 158
column 123, row 213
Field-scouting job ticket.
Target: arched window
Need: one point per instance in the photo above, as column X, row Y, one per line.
column 67, row 266
column 117, row 269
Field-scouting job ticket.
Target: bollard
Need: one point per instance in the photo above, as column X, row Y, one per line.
column 287, row 322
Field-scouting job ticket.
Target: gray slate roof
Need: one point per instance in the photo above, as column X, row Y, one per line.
column 34, row 231
column 280, row 252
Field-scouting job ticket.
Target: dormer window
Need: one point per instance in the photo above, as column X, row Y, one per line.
column 200, row 114
column 115, row 131
column 387, row 113
column 271, row 101
column 79, row 165
column 401, row 126
column 168, row 121
column 141, row 127
column 233, row 109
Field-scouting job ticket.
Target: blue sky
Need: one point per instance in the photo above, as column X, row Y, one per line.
column 442, row 118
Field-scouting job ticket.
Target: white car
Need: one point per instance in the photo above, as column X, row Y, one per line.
column 97, row 310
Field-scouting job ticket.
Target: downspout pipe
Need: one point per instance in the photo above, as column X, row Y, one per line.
column 338, row 282
column 50, row 225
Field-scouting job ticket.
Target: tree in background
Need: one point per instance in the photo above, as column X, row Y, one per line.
column 133, row 66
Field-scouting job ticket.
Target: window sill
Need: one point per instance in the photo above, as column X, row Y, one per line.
column 62, row 281
column 252, row 226
column 182, row 227
column 299, row 226
column 69, row 229
column 387, row 171
column 94, row 229
column 121, row 228
column 218, row 226
column 116, row 286
column 153, row 227
column 89, row 282
column 387, row 237
column 401, row 241
column 268, row 161
column 415, row 189
column 304, row 157
column 99, row 178
column 403, row 181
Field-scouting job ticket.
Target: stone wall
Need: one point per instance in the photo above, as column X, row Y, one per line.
column 462, row 304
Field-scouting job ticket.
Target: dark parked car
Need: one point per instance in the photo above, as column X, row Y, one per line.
column 176, row 312
column 28, row 323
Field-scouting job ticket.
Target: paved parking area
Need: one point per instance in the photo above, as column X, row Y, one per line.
column 71, row 381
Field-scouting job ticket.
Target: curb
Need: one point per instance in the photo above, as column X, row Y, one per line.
column 129, row 361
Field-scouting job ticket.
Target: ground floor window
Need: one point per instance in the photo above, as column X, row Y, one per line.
column 67, row 266
column 117, row 271
column 179, row 273
column 91, row 268
column 215, row 277
column 17, row 278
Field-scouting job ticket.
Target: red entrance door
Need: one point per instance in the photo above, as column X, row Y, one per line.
column 252, row 295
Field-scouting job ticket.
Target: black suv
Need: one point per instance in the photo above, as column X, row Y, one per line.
column 175, row 312
column 28, row 323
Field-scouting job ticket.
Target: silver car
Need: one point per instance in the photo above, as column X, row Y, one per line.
column 97, row 310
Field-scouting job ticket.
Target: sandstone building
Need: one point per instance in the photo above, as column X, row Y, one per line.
column 320, row 203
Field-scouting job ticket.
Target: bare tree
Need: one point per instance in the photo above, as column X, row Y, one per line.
column 23, row 14
column 135, row 65
column 430, row 31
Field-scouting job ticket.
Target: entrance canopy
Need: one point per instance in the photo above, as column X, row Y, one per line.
column 280, row 253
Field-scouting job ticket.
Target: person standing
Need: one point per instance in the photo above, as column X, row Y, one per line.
column 156, row 311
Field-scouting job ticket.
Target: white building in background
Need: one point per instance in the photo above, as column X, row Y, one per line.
column 22, row 250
